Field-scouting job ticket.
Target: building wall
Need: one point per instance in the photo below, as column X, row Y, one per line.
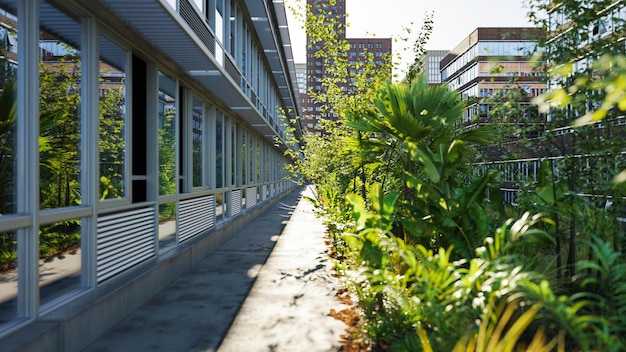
column 141, row 132
column 430, row 61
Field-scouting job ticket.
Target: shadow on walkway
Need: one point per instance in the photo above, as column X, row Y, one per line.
column 269, row 288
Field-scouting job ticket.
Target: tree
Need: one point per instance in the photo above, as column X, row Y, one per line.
column 112, row 142
column 8, row 107
column 419, row 48
column 59, row 140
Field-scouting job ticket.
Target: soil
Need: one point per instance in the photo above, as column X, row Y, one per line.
column 355, row 339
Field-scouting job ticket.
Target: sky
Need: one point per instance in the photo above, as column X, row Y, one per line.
column 453, row 21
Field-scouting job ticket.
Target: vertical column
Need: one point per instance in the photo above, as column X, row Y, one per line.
column 90, row 156
column 28, row 155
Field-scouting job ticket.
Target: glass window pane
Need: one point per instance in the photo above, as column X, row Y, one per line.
column 244, row 156
column 167, row 135
column 60, row 259
column 8, row 112
column 233, row 154
column 8, row 116
column 198, row 128
column 258, row 162
column 59, row 106
column 167, row 225
column 219, row 207
column 219, row 150
column 112, row 120
column 8, row 276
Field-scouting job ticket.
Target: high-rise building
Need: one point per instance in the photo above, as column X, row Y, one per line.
column 315, row 66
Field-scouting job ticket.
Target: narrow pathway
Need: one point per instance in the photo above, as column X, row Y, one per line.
column 269, row 288
column 287, row 308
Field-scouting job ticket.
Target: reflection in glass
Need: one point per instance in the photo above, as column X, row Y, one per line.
column 8, row 276
column 258, row 161
column 167, row 225
column 59, row 106
column 219, row 207
column 244, row 156
column 233, row 155
column 60, row 259
column 167, row 135
column 112, row 120
column 198, row 128
column 8, row 115
column 219, row 151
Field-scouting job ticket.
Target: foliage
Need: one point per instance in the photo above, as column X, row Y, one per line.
column 8, row 113
column 58, row 238
column 60, row 134
column 167, row 152
column 330, row 159
column 416, row 298
column 59, row 148
column 419, row 48
column 112, row 146
column 412, row 128
column 433, row 260
column 603, row 282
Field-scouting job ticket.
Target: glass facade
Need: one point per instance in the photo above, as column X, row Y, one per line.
column 488, row 48
column 106, row 149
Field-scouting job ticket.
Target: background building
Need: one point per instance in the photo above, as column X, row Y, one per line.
column 136, row 137
column 315, row 66
column 489, row 61
column 431, row 65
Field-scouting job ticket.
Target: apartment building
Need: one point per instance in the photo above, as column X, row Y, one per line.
column 313, row 111
column 136, row 136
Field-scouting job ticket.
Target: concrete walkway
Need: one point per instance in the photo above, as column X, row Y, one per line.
column 269, row 288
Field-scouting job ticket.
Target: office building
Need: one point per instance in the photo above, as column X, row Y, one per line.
column 490, row 60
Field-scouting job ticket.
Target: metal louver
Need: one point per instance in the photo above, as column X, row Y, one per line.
column 124, row 239
column 235, row 202
column 250, row 197
column 197, row 24
column 195, row 216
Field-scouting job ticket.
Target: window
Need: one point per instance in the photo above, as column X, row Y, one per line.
column 197, row 117
column 167, row 145
column 60, row 155
column 167, row 135
column 112, row 141
column 8, row 188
